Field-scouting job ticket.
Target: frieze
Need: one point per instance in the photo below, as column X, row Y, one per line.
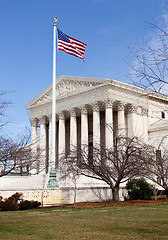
column 69, row 86
column 65, row 87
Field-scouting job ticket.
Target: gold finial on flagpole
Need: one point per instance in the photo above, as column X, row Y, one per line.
column 55, row 20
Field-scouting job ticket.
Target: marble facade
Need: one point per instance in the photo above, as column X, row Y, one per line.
column 84, row 109
column 86, row 105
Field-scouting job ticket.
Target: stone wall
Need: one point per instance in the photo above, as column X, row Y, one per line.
column 60, row 196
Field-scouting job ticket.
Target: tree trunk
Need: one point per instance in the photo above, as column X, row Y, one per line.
column 166, row 191
column 115, row 192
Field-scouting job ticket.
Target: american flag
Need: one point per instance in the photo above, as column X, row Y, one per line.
column 71, row 45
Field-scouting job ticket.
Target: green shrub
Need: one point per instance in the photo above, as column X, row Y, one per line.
column 139, row 189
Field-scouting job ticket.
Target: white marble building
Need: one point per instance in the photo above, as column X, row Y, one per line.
column 84, row 107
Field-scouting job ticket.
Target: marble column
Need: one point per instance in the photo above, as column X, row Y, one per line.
column 61, row 135
column 132, row 120
column 109, row 124
column 43, row 142
column 96, row 125
column 73, row 130
column 84, row 128
column 121, row 119
column 144, row 113
column 34, row 130
column 33, row 163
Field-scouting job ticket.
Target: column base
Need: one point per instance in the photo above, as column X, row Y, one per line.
column 52, row 182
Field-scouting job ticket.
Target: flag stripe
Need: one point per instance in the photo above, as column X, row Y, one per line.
column 67, row 45
column 78, row 46
column 71, row 45
column 69, row 50
column 71, row 53
column 77, row 41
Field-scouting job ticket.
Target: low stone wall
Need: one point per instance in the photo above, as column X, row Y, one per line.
column 60, row 196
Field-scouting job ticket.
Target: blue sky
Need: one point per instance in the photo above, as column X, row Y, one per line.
column 108, row 27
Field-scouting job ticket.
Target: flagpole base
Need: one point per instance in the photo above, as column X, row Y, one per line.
column 52, row 182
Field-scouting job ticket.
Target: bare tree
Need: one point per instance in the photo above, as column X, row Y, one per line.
column 149, row 68
column 10, row 155
column 113, row 166
column 3, row 106
column 156, row 165
column 70, row 170
column 17, row 157
column 16, row 154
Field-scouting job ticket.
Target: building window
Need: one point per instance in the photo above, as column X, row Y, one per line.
column 163, row 114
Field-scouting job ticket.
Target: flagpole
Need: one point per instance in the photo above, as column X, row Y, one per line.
column 52, row 182
column 53, row 138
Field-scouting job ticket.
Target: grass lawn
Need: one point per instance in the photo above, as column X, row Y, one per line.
column 133, row 222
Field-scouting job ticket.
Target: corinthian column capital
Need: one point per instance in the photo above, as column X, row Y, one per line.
column 43, row 120
column 49, row 118
column 95, row 107
column 61, row 116
column 132, row 108
column 34, row 122
column 84, row 110
column 109, row 103
column 144, row 111
column 120, row 106
column 73, row 112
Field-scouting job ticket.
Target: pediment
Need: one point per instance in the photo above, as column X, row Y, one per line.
column 65, row 86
